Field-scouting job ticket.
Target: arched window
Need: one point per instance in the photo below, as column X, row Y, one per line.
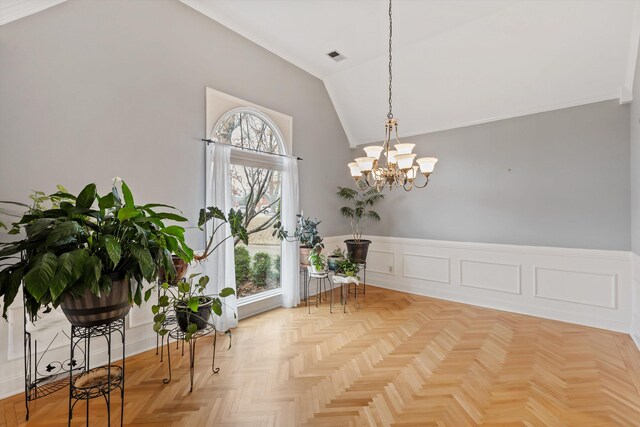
column 251, row 129
column 256, row 191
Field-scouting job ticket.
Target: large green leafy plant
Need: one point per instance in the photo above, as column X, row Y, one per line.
column 360, row 209
column 306, row 232
column 73, row 243
column 235, row 219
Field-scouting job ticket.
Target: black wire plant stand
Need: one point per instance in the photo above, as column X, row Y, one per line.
column 39, row 380
column 178, row 335
column 99, row 381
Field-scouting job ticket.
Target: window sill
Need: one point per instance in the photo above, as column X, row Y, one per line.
column 259, row 297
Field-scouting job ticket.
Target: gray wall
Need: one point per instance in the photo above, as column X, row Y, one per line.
column 94, row 89
column 559, row 178
column 635, row 164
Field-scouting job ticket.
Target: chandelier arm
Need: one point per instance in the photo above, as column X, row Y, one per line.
column 362, row 184
column 422, row 186
column 410, row 186
column 375, row 180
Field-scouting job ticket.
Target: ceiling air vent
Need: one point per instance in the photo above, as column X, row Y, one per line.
column 336, row 56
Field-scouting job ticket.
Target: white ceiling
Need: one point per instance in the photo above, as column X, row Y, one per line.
column 456, row 62
column 10, row 10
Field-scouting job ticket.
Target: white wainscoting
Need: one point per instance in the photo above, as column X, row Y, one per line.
column 588, row 287
column 635, row 321
column 139, row 337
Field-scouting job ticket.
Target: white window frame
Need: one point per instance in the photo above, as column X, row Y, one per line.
column 240, row 157
column 218, row 105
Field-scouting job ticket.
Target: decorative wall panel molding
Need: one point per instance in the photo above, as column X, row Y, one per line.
column 596, row 289
column 583, row 286
column 380, row 261
column 491, row 276
column 426, row 267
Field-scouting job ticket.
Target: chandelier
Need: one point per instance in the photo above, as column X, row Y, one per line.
column 398, row 169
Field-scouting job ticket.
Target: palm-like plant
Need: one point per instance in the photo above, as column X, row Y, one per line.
column 360, row 210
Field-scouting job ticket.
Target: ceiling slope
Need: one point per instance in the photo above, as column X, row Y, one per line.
column 456, row 63
column 11, row 10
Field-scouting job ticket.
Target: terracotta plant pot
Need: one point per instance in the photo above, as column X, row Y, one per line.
column 181, row 270
column 91, row 310
column 358, row 249
column 304, row 255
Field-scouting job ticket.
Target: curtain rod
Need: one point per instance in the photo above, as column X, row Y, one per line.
column 211, row 141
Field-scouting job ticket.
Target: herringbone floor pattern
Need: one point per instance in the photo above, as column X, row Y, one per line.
column 401, row 360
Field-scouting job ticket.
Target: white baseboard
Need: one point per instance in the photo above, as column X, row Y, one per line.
column 587, row 287
column 635, row 332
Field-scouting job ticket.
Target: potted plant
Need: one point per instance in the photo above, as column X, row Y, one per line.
column 358, row 213
column 190, row 304
column 306, row 233
column 90, row 254
column 348, row 268
column 333, row 259
column 317, row 260
column 187, row 298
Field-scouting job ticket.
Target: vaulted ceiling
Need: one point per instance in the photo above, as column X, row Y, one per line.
column 455, row 63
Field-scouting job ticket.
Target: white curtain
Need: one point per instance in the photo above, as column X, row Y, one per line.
column 290, row 269
column 220, row 266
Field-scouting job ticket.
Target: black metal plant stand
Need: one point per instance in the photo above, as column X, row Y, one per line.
column 179, row 335
column 355, row 290
column 39, row 380
column 100, row 381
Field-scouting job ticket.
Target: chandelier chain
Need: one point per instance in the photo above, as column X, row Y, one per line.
column 390, row 114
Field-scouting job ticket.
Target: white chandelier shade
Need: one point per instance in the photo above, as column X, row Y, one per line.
column 391, row 156
column 355, row 170
column 374, row 151
column 404, row 148
column 365, row 163
column 427, row 164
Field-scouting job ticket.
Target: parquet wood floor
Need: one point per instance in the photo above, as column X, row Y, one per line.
column 402, row 360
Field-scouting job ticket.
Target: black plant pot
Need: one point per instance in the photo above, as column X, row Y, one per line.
column 184, row 315
column 358, row 249
column 91, row 310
